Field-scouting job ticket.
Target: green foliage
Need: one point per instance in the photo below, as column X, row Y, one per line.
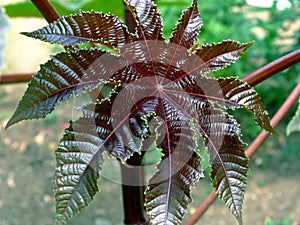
column 64, row 7
column 284, row 221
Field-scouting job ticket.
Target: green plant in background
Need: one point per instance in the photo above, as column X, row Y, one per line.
column 280, row 37
column 284, row 221
column 64, row 7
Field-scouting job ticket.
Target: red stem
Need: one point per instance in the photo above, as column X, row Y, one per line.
column 15, row 78
column 285, row 107
column 273, row 68
column 252, row 149
column 46, row 9
column 50, row 14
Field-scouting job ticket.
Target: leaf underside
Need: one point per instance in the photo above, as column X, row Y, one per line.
column 148, row 79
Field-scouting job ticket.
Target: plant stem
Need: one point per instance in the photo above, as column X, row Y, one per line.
column 252, row 149
column 133, row 195
column 273, row 68
column 15, row 78
column 46, row 9
column 285, row 107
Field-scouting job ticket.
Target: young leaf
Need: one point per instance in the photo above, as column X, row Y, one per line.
column 82, row 28
column 188, row 27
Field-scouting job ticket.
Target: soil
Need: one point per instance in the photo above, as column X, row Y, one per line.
column 27, row 165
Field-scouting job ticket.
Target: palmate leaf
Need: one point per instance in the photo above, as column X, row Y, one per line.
column 84, row 27
column 149, row 78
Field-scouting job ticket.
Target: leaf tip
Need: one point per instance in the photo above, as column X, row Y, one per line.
column 26, row 34
column 59, row 220
column 240, row 219
column 10, row 122
column 249, row 44
column 274, row 132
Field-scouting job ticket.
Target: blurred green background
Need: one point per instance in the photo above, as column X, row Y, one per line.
column 275, row 31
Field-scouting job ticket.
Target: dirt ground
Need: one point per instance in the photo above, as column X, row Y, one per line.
column 27, row 166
